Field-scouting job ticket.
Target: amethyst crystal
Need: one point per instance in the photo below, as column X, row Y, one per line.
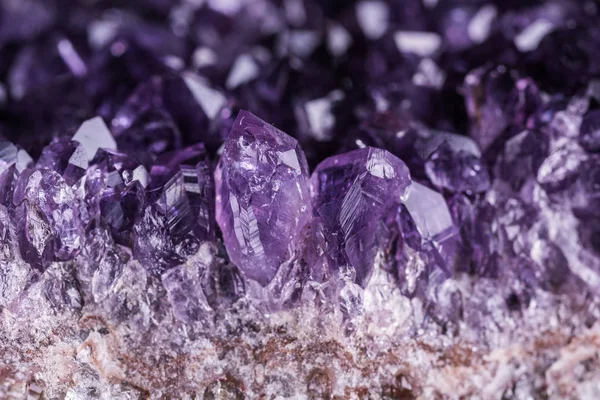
column 181, row 216
column 67, row 157
column 262, row 196
column 423, row 241
column 49, row 224
column 192, row 104
column 11, row 155
column 457, row 171
column 351, row 193
column 430, row 228
column 496, row 99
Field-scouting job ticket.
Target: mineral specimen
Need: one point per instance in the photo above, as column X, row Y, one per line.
column 299, row 199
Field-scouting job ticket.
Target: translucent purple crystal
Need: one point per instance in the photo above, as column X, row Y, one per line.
column 50, row 228
column 496, row 99
column 351, row 193
column 523, row 154
column 457, row 171
column 188, row 99
column 435, row 204
column 263, row 198
column 67, row 157
column 586, row 200
column 181, row 215
column 11, row 155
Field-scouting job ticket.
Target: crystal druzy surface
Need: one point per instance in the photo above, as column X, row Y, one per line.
column 299, row 199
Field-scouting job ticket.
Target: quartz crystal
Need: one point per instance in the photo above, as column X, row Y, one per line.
column 263, row 198
column 181, row 216
column 427, row 227
column 351, row 193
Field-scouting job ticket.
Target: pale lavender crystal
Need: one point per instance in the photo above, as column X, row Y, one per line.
column 457, row 171
column 49, row 224
column 10, row 154
column 561, row 168
column 552, row 269
column 222, row 284
column 93, row 134
column 183, row 286
column 262, row 196
column 423, row 242
column 586, row 200
column 433, row 224
column 108, row 268
column 351, row 193
column 522, row 156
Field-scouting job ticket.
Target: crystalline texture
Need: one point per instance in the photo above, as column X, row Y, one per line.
column 49, row 224
column 192, row 104
column 351, row 193
column 457, row 171
column 65, row 156
column 262, row 196
column 430, row 230
column 496, row 99
column 181, row 216
column 586, row 200
column 12, row 155
column 93, row 134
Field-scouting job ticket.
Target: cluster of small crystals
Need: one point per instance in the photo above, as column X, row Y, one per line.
column 189, row 155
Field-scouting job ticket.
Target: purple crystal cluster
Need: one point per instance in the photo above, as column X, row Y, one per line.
column 285, row 153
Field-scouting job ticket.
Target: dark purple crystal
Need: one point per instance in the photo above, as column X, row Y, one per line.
column 351, row 193
column 189, row 100
column 181, row 215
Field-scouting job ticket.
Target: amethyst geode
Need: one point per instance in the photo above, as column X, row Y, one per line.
column 299, row 199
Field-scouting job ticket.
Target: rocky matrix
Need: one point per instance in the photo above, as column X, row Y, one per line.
column 261, row 199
